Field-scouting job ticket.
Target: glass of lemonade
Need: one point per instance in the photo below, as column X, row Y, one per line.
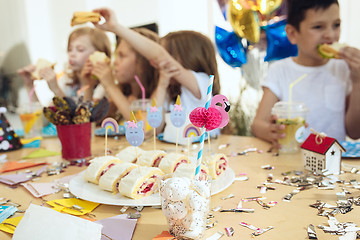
column 292, row 115
column 31, row 117
column 138, row 107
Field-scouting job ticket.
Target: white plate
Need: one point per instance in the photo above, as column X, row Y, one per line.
column 91, row 192
column 223, row 182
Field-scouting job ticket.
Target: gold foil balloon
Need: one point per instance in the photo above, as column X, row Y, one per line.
column 244, row 21
column 266, row 7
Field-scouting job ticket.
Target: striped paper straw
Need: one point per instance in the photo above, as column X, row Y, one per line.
column 203, row 130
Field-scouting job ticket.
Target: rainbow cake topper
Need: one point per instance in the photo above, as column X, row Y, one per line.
column 178, row 113
column 134, row 132
column 191, row 131
column 109, row 123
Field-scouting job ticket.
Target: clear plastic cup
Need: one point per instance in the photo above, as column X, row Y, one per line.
column 292, row 115
column 31, row 118
column 138, row 107
column 186, row 204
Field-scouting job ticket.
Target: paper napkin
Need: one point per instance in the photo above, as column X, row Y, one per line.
column 42, row 223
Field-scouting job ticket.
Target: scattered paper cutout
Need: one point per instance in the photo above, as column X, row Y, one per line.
column 117, row 226
column 4, row 226
column 41, row 189
column 41, row 153
column 16, row 165
column 165, row 235
column 66, row 205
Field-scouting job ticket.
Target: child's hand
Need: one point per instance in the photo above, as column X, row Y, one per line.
column 103, row 72
column 167, row 71
column 274, row 132
column 352, row 57
column 25, row 74
column 109, row 17
column 86, row 76
column 49, row 75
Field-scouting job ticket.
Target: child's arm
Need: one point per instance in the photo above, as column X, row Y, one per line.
column 87, row 79
column 166, row 72
column 264, row 126
column 49, row 75
column 25, row 74
column 352, row 118
column 103, row 72
column 151, row 50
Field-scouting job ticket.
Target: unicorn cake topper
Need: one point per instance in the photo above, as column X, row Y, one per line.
column 178, row 113
column 154, row 115
column 134, row 132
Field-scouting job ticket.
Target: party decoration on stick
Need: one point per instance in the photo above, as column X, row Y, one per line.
column 154, row 118
column 177, row 117
column 109, row 123
column 134, row 132
column 191, row 131
column 209, row 117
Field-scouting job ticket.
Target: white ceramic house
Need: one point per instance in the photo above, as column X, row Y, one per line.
column 321, row 153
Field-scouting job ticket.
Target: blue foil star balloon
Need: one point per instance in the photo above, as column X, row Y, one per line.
column 278, row 45
column 230, row 48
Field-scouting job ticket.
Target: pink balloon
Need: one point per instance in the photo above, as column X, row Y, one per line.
column 223, row 109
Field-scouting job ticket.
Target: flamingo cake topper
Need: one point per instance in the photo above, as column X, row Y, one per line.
column 214, row 117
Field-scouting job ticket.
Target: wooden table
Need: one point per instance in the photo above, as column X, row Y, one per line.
column 289, row 219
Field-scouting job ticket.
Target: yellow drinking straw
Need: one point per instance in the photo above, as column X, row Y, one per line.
column 290, row 90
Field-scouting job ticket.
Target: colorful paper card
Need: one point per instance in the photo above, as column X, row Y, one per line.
column 8, row 224
column 16, row 165
column 6, row 211
column 41, row 189
column 40, row 153
column 67, row 206
column 43, row 223
column 13, row 179
column 116, row 226
column 165, row 235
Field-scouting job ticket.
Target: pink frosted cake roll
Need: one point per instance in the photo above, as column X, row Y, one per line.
column 130, row 154
column 151, row 158
column 140, row 182
column 188, row 171
column 171, row 161
column 111, row 179
column 217, row 164
column 98, row 167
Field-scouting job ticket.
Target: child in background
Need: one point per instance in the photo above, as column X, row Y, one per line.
column 331, row 88
column 185, row 59
column 128, row 63
column 82, row 43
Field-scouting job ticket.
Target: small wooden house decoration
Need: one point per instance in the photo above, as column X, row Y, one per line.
column 321, row 152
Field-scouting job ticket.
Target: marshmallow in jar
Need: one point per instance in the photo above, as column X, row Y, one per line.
column 185, row 203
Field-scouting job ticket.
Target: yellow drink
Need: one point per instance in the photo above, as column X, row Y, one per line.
column 31, row 120
column 292, row 116
column 294, row 130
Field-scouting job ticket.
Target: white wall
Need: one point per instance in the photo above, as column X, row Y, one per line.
column 39, row 28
